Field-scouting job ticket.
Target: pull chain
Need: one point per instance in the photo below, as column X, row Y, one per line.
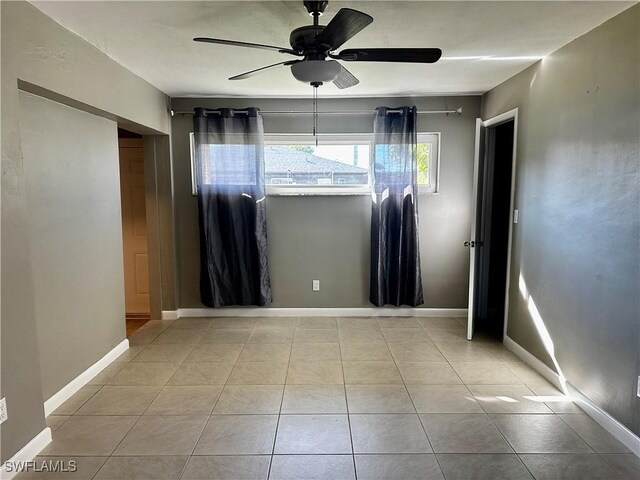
column 315, row 86
column 315, row 114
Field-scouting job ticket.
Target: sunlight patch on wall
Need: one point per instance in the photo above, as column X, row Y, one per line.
column 542, row 330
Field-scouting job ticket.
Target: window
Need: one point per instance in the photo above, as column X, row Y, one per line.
column 294, row 165
column 428, row 157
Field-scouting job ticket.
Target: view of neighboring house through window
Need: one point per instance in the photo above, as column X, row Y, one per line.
column 296, row 162
column 326, row 164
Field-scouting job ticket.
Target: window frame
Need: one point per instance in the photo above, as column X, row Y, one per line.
column 432, row 188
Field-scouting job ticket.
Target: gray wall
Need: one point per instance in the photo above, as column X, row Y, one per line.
column 39, row 52
column 75, row 236
column 576, row 243
column 160, row 225
column 327, row 237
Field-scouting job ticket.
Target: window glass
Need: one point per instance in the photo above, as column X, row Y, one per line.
column 327, row 164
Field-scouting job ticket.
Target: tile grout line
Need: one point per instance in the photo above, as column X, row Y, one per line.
column 413, row 403
column 291, row 344
column 284, row 387
column 165, row 384
column 486, row 413
column 150, row 403
column 195, row 444
column 480, row 405
column 139, row 416
column 346, row 401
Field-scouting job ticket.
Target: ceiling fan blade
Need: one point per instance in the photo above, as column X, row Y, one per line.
column 408, row 55
column 251, row 73
column 221, row 41
column 345, row 79
column 344, row 25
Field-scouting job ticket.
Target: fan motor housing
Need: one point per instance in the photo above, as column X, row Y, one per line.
column 303, row 39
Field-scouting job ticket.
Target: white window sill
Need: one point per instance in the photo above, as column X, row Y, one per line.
column 332, row 191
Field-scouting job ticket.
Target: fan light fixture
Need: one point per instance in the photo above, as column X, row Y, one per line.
column 316, row 71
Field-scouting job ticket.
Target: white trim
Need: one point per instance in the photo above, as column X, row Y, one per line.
column 81, row 380
column 502, row 118
column 604, row 419
column 533, row 362
column 321, row 312
column 331, row 190
column 27, row 453
column 170, row 314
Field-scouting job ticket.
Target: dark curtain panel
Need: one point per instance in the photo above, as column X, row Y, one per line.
column 395, row 256
column 229, row 160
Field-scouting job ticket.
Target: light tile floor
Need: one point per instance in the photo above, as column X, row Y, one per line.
column 325, row 398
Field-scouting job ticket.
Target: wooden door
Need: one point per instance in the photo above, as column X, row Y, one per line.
column 134, row 227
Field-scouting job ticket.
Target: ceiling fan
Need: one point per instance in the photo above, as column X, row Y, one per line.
column 317, row 44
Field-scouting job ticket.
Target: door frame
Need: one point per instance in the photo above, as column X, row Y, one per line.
column 158, row 188
column 492, row 122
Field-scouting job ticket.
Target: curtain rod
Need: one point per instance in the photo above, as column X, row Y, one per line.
column 328, row 112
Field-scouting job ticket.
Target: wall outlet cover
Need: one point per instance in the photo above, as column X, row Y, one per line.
column 638, row 387
column 316, row 285
column 3, row 410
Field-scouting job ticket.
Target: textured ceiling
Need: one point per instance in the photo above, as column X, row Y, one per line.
column 483, row 43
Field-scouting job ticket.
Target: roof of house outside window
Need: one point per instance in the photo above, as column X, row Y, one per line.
column 282, row 159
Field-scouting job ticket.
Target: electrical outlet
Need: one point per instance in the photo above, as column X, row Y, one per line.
column 316, row 285
column 638, row 392
column 515, row 216
column 3, row 410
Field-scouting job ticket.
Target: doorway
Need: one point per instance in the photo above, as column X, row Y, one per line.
column 134, row 229
column 491, row 229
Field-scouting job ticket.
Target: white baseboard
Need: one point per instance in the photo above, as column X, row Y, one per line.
column 170, row 314
column 533, row 362
column 314, row 312
column 81, row 380
column 25, row 454
column 604, row 419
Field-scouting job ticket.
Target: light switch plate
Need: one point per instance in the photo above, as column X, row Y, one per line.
column 316, row 285
column 3, row 410
column 638, row 392
column 515, row 216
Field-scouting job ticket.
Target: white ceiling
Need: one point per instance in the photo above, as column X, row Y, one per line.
column 153, row 40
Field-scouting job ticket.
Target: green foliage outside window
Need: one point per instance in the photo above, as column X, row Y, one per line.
column 423, row 155
column 302, row 148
